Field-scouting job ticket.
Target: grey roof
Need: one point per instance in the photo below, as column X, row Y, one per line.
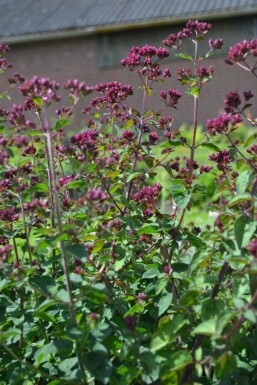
column 30, row 17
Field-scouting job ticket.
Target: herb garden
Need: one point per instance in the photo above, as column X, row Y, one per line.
column 123, row 259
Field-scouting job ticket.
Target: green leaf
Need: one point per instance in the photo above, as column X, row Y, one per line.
column 62, row 123
column 244, row 229
column 179, row 360
column 98, row 364
column 112, row 174
column 39, row 187
column 151, row 273
column 152, row 228
column 194, row 91
column 164, row 303
column 129, row 124
column 67, row 364
column 185, row 56
column 172, row 143
column 167, row 331
column 3, row 96
column 206, row 328
column 133, row 175
column 119, row 262
column 211, row 146
column 242, row 181
column 199, row 259
column 149, row 160
column 161, row 284
column 149, row 91
column 115, row 187
column 98, row 245
column 35, row 133
column 95, row 293
column 182, row 200
column 242, row 198
column 38, row 101
column 137, row 308
column 75, row 184
column 225, row 365
column 195, row 241
column 43, row 283
column 250, row 140
column 77, row 250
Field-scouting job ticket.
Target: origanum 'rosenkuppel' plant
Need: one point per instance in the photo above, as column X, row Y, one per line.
column 102, row 283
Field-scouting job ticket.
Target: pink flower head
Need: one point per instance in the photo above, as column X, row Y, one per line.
column 43, row 88
column 252, row 248
column 85, row 139
column 148, row 195
column 222, row 158
column 232, row 100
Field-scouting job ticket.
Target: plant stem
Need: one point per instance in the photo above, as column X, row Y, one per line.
column 241, row 154
column 57, row 208
column 139, row 137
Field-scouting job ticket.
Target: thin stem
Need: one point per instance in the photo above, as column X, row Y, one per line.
column 139, row 137
column 16, row 251
column 108, row 192
column 193, row 146
column 241, row 154
column 25, row 229
column 57, row 207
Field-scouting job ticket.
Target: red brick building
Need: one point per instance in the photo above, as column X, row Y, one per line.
column 85, row 39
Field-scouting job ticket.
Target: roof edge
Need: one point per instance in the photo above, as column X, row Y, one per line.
column 62, row 34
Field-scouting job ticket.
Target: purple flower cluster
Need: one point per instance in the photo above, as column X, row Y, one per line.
column 114, row 93
column 145, row 60
column 66, row 179
column 215, row 44
column 3, row 158
column 193, row 29
column 16, row 79
column 96, row 195
column 221, row 123
column 252, row 149
column 233, row 100
column 144, row 56
column 4, row 48
column 222, row 158
column 9, row 214
column 240, row 51
column 17, row 118
column 252, row 248
column 43, row 88
column 115, row 224
column 34, row 204
column 171, row 97
column 128, row 135
column 4, row 251
column 204, row 74
column 4, row 65
column 148, row 195
column 85, row 139
column 77, row 88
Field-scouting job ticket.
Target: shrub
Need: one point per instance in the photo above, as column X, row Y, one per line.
column 101, row 285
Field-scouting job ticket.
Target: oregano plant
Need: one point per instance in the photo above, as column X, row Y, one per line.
column 121, row 260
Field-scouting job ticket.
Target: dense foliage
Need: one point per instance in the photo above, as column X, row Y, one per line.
column 104, row 280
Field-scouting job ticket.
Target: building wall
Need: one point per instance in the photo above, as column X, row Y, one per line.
column 95, row 59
